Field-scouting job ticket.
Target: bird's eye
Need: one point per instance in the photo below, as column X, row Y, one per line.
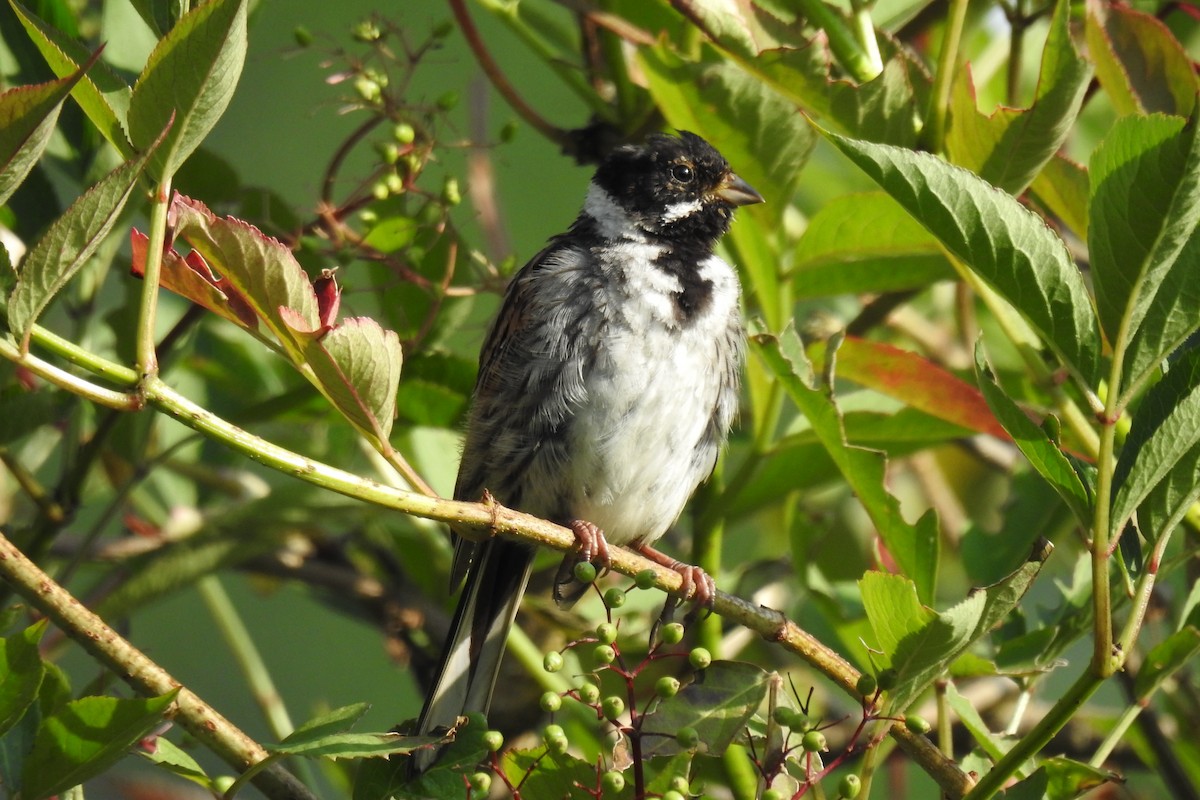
column 682, row 173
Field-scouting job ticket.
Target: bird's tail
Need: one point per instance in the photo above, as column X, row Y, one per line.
column 475, row 645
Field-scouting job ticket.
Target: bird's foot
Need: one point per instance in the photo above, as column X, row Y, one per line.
column 590, row 545
column 697, row 585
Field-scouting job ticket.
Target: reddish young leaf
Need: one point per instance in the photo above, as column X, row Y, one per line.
column 914, row 381
column 192, row 278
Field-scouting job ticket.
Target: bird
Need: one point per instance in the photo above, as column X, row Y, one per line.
column 607, row 386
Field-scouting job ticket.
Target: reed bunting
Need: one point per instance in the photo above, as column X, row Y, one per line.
column 606, row 389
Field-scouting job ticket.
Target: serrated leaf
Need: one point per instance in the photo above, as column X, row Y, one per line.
column 914, row 546
column 1009, row 148
column 159, row 15
column 27, row 118
column 70, row 242
column 717, row 704
column 865, row 242
column 1164, row 659
column 86, row 737
column 380, row 777
column 1165, row 430
column 922, row 655
column 21, row 673
column 351, row 745
column 1044, row 455
column 190, row 75
column 357, row 366
column 989, row 742
column 102, row 94
column 760, row 134
column 1144, row 264
column 913, row 380
column 1003, row 242
column 1141, row 65
column 338, row 720
column 724, row 21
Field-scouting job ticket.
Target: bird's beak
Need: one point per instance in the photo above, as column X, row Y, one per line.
column 737, row 192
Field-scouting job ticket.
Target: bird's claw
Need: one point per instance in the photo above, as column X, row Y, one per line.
column 590, row 545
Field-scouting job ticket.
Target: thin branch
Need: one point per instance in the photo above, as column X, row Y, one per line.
column 117, row 654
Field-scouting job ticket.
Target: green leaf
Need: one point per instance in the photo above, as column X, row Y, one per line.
column 880, row 109
column 1143, row 264
column 1142, row 67
column 859, row 243
column 1009, row 148
column 1033, row 509
column 1007, row 245
column 21, row 673
column 760, row 133
column 191, row 76
column 69, row 243
column 339, row 720
column 1062, row 189
column 102, row 94
column 170, row 757
column 379, row 777
column 992, row 744
column 86, row 737
column 893, row 610
column 159, row 15
column 1165, row 430
column 1059, row 778
column 924, row 654
column 27, row 118
column 915, row 547
column 717, row 704
column 1044, row 454
column 541, row 773
column 724, row 23
column 352, row 745
column 1164, row 659
column 357, row 366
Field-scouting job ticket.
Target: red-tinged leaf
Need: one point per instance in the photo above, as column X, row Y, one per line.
column 1009, row 147
column 259, row 268
column 191, row 277
column 27, row 118
column 1140, row 64
column 914, row 381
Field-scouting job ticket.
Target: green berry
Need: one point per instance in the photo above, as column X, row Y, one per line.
column 508, row 132
column 604, row 654
column 612, row 781
column 367, row 88
column 866, row 685
column 493, row 741
column 614, row 597
column 394, row 183
column 887, row 679
column 585, row 572
column 555, row 739
column 389, row 152
column 699, row 657
column 814, row 742
column 672, row 795
column 451, row 193
column 849, row 786
column 645, row 579
column 589, row 693
column 380, row 191
column 404, row 133
column 782, row 715
column 553, row 661
column 679, row 783
column 366, row 31
column 667, row 686
column 917, row 724
column 688, row 738
column 481, row 783
column 302, row 35
column 606, row 632
column 772, row 794
column 222, row 783
column 672, row 633
column 448, row 100
column 368, row 216
column 551, row 702
column 612, row 707
column 443, row 29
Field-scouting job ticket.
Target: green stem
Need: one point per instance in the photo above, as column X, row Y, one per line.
column 147, row 360
column 1032, row 743
column 123, row 401
column 1103, row 660
column 934, row 135
column 843, row 43
column 1127, row 718
column 945, row 735
column 741, row 777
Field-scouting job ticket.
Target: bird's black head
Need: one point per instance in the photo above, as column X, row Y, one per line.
column 677, row 188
